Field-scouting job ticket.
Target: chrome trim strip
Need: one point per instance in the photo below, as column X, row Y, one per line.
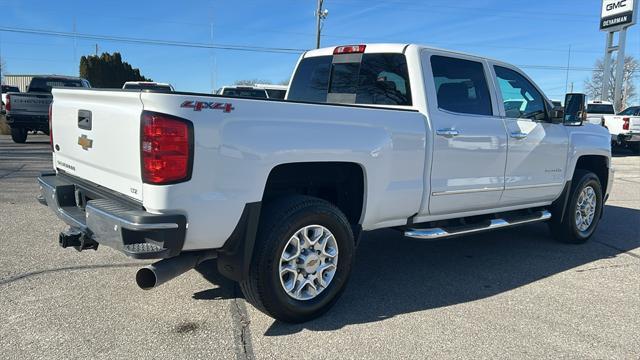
column 533, row 186
column 128, row 224
column 437, row 233
column 466, row 191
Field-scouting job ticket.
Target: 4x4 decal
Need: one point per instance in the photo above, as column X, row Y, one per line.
column 199, row 105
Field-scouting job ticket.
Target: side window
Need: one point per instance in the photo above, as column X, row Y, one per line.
column 521, row 99
column 461, row 86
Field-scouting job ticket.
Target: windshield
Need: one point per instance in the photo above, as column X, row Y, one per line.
column 7, row 88
column 377, row 79
column 600, row 109
column 159, row 87
column 45, row 84
column 245, row 92
column 632, row 111
column 276, row 94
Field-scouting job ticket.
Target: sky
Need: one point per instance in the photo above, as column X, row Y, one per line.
column 526, row 33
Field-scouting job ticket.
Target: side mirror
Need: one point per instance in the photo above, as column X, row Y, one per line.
column 575, row 109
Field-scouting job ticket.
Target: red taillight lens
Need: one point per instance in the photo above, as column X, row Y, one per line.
column 51, row 126
column 166, row 149
column 349, row 49
column 625, row 126
column 7, row 106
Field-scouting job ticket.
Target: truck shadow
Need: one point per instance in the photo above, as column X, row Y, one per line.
column 393, row 275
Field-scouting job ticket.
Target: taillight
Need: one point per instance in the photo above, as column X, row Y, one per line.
column 166, row 149
column 625, row 126
column 51, row 126
column 7, row 106
column 349, row 49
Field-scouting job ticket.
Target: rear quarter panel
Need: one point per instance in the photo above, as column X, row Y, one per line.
column 235, row 152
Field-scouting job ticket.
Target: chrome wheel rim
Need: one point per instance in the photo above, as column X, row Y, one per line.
column 308, row 262
column 586, row 208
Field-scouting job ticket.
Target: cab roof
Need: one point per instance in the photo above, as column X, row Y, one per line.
column 399, row 48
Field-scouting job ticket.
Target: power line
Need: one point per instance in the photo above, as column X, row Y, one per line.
column 152, row 41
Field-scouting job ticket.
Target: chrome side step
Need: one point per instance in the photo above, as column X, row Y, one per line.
column 438, row 233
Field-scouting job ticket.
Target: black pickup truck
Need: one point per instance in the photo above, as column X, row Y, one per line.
column 29, row 111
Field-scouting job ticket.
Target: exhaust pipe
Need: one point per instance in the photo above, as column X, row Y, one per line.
column 156, row 274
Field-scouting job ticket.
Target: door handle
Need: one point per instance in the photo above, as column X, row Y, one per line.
column 448, row 133
column 518, row 135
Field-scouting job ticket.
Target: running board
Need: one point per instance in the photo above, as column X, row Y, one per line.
column 438, row 233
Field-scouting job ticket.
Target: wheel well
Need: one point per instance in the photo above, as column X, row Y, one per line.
column 340, row 183
column 598, row 165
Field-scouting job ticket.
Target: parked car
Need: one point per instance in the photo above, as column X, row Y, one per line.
column 244, row 91
column 7, row 89
column 29, row 111
column 147, row 85
column 375, row 136
column 624, row 128
column 556, row 103
column 596, row 109
column 274, row 91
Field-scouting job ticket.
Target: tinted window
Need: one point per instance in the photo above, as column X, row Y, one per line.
column 461, row 86
column 377, row 79
column 252, row 93
column 632, row 111
column 311, row 80
column 45, row 84
column 8, row 88
column 276, row 94
column 600, row 109
column 521, row 99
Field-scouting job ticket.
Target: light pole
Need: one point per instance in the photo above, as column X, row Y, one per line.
column 320, row 16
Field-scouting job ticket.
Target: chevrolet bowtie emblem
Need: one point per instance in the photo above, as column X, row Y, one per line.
column 85, row 142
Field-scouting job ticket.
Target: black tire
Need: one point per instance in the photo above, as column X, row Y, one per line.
column 635, row 147
column 19, row 135
column 566, row 230
column 281, row 219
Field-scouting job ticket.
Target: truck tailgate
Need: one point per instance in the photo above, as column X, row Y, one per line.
column 96, row 137
column 30, row 103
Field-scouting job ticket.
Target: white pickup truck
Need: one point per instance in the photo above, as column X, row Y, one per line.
column 378, row 136
column 624, row 128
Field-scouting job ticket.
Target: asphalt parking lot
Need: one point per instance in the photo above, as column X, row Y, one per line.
column 510, row 294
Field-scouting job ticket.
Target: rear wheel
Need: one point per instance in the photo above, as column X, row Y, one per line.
column 301, row 261
column 19, row 135
column 635, row 147
column 583, row 211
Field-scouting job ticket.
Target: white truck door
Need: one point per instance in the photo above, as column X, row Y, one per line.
column 469, row 138
column 537, row 148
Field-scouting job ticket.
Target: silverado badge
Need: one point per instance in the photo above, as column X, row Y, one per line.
column 85, row 142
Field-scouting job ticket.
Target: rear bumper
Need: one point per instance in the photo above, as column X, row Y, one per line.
column 117, row 224
column 631, row 136
column 35, row 122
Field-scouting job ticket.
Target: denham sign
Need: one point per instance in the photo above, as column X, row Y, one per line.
column 616, row 14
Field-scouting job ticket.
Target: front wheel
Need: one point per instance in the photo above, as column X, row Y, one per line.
column 302, row 259
column 19, row 135
column 583, row 210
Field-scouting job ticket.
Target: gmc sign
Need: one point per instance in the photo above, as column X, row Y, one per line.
column 616, row 14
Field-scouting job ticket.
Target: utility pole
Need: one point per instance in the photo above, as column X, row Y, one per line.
column 566, row 82
column 96, row 49
column 320, row 16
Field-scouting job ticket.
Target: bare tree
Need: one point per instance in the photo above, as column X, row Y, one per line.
column 284, row 82
column 250, row 82
column 593, row 86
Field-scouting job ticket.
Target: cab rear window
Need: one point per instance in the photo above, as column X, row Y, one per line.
column 600, row 109
column 376, row 79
